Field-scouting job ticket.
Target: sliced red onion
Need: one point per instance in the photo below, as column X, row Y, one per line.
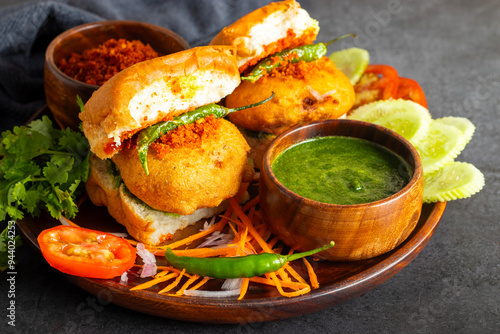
column 212, row 294
column 149, row 267
column 215, row 239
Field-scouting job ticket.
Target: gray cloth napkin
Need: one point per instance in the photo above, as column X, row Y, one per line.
column 26, row 30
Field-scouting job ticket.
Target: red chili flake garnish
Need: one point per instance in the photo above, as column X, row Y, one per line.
column 98, row 65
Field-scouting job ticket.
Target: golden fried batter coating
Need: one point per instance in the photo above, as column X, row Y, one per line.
column 189, row 177
column 297, row 98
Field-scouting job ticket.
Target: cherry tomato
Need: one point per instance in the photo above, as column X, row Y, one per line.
column 388, row 81
column 88, row 253
column 409, row 89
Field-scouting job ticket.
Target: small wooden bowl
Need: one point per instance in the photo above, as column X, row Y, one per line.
column 360, row 231
column 61, row 90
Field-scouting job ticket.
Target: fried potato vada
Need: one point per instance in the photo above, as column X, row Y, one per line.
column 317, row 91
column 184, row 178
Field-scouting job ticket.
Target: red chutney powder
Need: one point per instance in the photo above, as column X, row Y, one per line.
column 96, row 66
column 189, row 136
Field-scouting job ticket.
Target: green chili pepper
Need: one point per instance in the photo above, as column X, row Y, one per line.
column 310, row 52
column 148, row 135
column 236, row 267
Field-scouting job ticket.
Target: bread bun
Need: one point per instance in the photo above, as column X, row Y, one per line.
column 267, row 30
column 143, row 223
column 154, row 90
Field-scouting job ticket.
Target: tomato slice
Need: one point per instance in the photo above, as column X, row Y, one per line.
column 88, row 253
column 409, row 89
column 388, row 81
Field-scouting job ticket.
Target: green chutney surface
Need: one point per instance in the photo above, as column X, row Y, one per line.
column 341, row 170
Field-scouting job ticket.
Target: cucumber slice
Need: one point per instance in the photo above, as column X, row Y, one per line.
column 442, row 145
column 461, row 123
column 352, row 62
column 455, row 181
column 413, row 126
column 373, row 111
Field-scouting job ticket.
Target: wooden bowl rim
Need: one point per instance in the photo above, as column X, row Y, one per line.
column 266, row 163
column 49, row 53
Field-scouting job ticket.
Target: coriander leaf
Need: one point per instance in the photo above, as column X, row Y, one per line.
column 80, row 103
column 17, row 192
column 43, row 126
column 39, row 166
column 33, row 197
column 15, row 169
column 57, row 169
column 4, row 254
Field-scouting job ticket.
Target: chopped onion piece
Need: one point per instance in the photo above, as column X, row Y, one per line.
column 149, row 267
column 232, row 284
column 318, row 96
column 212, row 294
column 119, row 234
column 124, row 278
column 64, row 221
column 208, row 224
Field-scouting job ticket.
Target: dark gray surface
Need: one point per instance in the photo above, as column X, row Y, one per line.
column 451, row 48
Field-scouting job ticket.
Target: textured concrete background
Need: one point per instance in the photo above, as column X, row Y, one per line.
column 451, row 48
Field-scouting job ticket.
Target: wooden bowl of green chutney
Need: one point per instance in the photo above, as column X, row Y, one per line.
column 355, row 183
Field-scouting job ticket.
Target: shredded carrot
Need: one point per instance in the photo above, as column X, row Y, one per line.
column 186, row 241
column 241, row 245
column 200, row 283
column 250, row 204
column 294, row 273
column 251, row 235
column 312, row 275
column 305, row 287
column 269, row 281
column 174, row 283
column 244, row 218
column 187, row 284
column 154, row 281
column 244, row 288
column 171, row 269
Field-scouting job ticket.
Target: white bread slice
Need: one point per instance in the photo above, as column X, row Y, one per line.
column 267, row 30
column 143, row 223
column 154, row 90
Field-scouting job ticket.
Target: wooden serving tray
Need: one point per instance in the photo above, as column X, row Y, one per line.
column 339, row 281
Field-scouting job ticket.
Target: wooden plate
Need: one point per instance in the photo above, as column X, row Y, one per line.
column 339, row 281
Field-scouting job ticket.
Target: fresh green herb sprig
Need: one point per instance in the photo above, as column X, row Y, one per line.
column 41, row 168
column 7, row 255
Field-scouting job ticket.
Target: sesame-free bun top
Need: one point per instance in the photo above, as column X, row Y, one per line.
column 267, row 30
column 156, row 90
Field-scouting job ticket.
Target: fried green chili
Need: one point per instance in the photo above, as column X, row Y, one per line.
column 308, row 53
column 236, row 267
column 147, row 136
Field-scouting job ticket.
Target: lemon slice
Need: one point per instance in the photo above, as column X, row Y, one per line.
column 455, row 181
column 413, row 126
column 461, row 123
column 441, row 146
column 352, row 62
column 375, row 110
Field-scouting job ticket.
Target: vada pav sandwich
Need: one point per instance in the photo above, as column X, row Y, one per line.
column 275, row 54
column 190, row 162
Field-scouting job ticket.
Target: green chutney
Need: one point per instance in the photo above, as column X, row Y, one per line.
column 341, row 170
